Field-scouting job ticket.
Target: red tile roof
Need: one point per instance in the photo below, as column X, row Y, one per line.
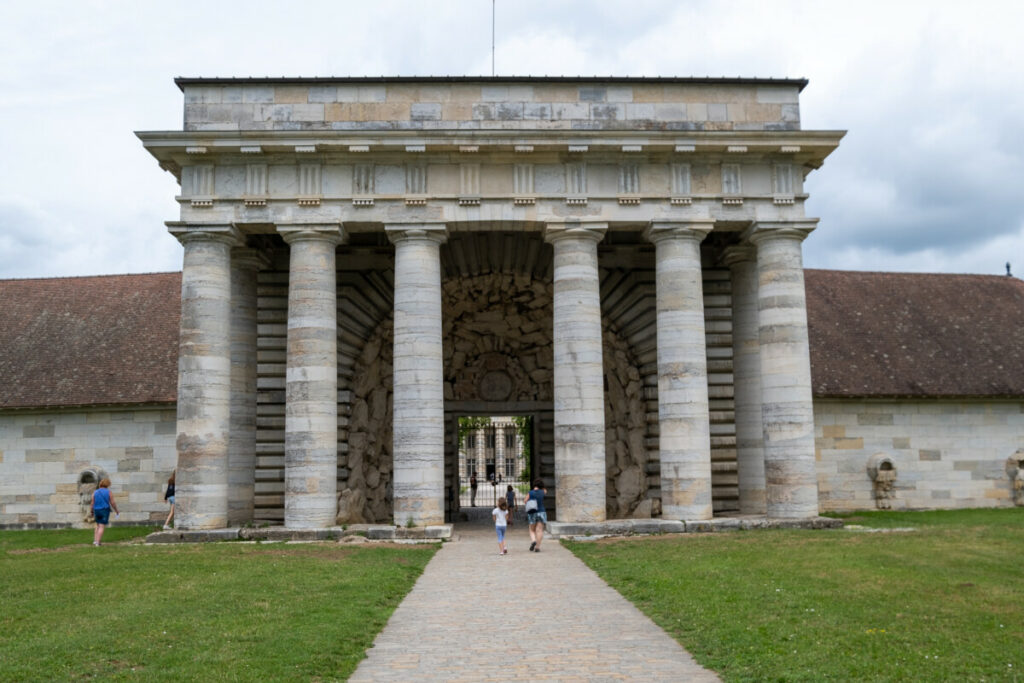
column 89, row 340
column 113, row 340
column 915, row 335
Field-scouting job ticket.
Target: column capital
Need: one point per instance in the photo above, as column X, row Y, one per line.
column 796, row 230
column 555, row 231
column 691, row 229
column 738, row 253
column 223, row 233
column 402, row 232
column 249, row 258
column 302, row 232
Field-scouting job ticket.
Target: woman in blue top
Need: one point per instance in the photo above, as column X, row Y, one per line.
column 102, row 501
column 538, row 516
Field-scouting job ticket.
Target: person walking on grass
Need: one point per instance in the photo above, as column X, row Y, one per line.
column 102, row 502
column 536, row 515
column 169, row 497
column 500, row 515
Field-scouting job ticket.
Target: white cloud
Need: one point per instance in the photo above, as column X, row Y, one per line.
column 931, row 93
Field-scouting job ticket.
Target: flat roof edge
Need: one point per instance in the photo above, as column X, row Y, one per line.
column 182, row 81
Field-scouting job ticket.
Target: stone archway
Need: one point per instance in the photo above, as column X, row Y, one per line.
column 497, row 350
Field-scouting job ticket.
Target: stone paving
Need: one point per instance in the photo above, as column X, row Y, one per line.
column 475, row 615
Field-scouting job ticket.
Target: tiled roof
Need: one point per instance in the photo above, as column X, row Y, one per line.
column 89, row 340
column 915, row 335
column 113, row 340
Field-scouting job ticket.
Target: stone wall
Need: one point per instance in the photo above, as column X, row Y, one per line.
column 945, row 454
column 44, row 454
column 467, row 106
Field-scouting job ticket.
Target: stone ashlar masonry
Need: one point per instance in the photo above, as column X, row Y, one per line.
column 44, row 455
column 946, row 453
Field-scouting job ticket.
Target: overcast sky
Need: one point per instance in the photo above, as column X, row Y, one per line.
column 930, row 176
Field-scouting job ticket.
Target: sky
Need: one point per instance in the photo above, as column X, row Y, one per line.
column 929, row 177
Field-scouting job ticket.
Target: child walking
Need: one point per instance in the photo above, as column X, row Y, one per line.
column 500, row 515
column 102, row 501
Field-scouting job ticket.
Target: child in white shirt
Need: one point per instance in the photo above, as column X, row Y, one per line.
column 500, row 515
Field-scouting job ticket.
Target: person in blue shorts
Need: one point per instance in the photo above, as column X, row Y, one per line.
column 102, row 502
column 536, row 515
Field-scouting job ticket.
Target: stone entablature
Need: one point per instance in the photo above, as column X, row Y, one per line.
column 252, row 152
column 662, row 179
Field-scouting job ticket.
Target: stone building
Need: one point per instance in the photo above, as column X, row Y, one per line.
column 366, row 260
column 920, row 372
column 491, row 450
column 358, row 233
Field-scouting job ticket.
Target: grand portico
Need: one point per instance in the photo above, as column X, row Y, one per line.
column 366, row 259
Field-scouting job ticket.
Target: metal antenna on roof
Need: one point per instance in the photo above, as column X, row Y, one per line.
column 492, row 38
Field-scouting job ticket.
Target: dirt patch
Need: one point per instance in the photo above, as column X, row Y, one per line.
column 58, row 549
column 329, row 551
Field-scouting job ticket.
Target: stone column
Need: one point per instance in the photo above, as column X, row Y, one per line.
column 311, row 384
column 683, row 422
column 578, row 373
column 746, row 370
column 499, row 450
column 204, row 376
column 791, row 487
column 245, row 263
column 418, row 394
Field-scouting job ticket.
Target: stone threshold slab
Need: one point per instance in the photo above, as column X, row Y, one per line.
column 637, row 527
column 372, row 532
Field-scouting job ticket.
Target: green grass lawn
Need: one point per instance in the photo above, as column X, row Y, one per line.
column 942, row 603
column 223, row 611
